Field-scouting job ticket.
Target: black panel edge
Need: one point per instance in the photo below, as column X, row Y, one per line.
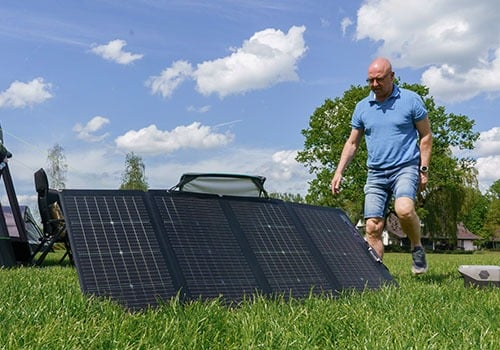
column 178, row 278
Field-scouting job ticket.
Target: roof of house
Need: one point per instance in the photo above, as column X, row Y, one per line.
column 393, row 227
column 464, row 233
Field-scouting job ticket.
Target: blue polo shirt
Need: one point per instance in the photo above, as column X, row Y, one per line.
column 389, row 127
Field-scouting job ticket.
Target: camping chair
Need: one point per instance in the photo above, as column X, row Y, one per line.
column 54, row 227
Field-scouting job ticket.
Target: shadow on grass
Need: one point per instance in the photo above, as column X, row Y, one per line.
column 55, row 258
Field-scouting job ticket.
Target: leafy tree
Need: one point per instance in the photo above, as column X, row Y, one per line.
column 475, row 207
column 288, row 197
column 134, row 177
column 494, row 190
column 57, row 167
column 329, row 128
column 491, row 228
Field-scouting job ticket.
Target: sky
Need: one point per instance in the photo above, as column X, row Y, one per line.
column 224, row 85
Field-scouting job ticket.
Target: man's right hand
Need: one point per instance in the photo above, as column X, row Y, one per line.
column 337, row 179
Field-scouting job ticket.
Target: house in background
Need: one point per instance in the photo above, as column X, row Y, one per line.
column 465, row 239
column 394, row 235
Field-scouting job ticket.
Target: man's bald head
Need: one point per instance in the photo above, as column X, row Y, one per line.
column 380, row 78
column 380, row 64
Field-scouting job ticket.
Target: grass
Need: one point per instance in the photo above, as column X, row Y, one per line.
column 43, row 308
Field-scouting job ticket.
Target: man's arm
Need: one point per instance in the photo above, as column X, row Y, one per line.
column 348, row 152
column 424, row 131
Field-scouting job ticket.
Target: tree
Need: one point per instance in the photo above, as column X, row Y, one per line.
column 329, row 128
column 134, row 176
column 287, row 197
column 57, row 167
column 491, row 228
column 474, row 210
column 494, row 190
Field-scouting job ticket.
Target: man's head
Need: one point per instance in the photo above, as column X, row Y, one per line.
column 380, row 76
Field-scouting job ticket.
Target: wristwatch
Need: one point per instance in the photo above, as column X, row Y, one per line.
column 424, row 169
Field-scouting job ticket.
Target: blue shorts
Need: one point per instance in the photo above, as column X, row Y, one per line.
column 382, row 185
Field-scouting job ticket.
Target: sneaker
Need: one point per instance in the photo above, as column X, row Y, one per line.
column 419, row 263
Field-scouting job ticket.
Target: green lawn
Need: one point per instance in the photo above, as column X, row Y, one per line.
column 43, row 308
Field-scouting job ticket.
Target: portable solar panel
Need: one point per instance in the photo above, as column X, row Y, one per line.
column 209, row 256
column 143, row 248
column 288, row 264
column 341, row 247
column 115, row 247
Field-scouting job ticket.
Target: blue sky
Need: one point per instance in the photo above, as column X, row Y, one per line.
column 224, row 86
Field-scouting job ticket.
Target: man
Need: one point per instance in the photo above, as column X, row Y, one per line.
column 392, row 120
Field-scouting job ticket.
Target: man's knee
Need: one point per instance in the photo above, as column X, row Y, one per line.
column 374, row 227
column 405, row 208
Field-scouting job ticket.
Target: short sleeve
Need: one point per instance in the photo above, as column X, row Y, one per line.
column 356, row 121
column 419, row 110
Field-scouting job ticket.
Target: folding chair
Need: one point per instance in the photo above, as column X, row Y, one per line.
column 54, row 227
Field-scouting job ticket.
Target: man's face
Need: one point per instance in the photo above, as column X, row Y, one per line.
column 380, row 82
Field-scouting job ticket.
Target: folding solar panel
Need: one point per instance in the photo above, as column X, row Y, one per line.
column 209, row 256
column 341, row 247
column 115, row 247
column 140, row 248
column 282, row 253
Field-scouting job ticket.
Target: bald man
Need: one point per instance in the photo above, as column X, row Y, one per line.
column 398, row 136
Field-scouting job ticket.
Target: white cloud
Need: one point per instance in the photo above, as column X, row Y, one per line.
column 202, row 109
column 95, row 168
column 267, row 58
column 453, row 85
column 151, row 140
column 20, row 95
column 87, row 132
column 344, row 24
column 488, row 144
column 487, row 171
column 457, row 41
column 170, row 78
column 113, row 51
column 285, row 173
column 487, row 154
column 325, row 23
